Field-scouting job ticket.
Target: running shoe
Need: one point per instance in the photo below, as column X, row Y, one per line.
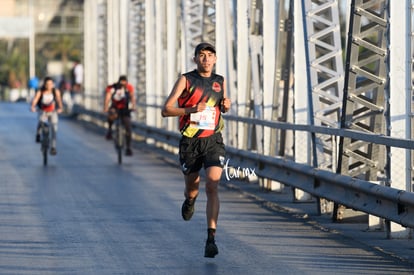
column 128, row 152
column 211, row 249
column 187, row 210
column 108, row 136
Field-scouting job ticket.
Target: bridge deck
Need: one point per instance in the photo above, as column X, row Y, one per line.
column 85, row 214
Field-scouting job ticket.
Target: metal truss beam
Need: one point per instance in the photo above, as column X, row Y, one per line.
column 411, row 98
column 283, row 99
column 365, row 100
column 326, row 73
column 137, row 46
column 325, row 78
column 102, row 49
column 198, row 25
column 400, row 109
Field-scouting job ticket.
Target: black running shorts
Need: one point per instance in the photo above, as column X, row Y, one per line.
column 196, row 152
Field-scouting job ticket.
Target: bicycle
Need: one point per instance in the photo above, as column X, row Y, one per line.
column 119, row 136
column 120, row 132
column 44, row 140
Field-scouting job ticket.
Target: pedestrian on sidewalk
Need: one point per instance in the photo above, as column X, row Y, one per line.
column 201, row 97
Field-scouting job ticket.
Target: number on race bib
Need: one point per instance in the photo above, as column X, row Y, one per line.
column 205, row 119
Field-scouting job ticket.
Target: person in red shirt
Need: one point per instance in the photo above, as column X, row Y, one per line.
column 46, row 99
column 118, row 98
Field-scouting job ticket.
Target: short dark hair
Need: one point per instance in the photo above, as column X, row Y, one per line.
column 123, row 78
column 204, row 46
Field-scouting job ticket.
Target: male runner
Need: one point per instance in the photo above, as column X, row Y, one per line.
column 201, row 97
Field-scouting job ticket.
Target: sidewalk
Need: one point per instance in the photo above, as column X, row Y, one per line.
column 353, row 226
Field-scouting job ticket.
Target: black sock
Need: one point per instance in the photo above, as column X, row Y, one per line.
column 211, row 232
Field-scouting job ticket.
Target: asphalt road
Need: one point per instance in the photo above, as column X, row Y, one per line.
column 85, row 214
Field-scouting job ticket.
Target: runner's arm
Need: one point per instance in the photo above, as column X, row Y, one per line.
column 226, row 102
column 170, row 108
column 35, row 101
column 132, row 95
column 59, row 100
column 107, row 99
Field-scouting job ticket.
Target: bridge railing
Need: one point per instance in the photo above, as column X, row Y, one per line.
column 379, row 200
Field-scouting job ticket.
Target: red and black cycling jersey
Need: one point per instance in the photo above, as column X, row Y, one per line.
column 201, row 89
column 120, row 95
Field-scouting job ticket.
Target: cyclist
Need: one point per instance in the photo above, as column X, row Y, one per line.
column 120, row 94
column 45, row 100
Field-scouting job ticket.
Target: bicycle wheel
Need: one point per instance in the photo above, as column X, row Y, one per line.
column 119, row 141
column 44, row 157
column 45, row 142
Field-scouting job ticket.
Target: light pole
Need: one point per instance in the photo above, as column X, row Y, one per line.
column 32, row 70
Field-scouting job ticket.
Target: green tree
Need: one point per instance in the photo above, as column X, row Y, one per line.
column 14, row 62
column 65, row 48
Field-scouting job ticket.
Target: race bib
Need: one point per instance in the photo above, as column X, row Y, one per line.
column 205, row 119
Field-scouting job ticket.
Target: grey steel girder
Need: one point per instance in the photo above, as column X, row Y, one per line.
column 326, row 73
column 137, row 60
column 365, row 100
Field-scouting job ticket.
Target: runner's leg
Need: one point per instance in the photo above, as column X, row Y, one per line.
column 110, row 122
column 112, row 114
column 192, row 182
column 213, row 175
column 53, row 120
column 128, row 131
column 39, row 120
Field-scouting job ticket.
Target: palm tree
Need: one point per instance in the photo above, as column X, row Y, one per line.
column 14, row 64
column 65, row 47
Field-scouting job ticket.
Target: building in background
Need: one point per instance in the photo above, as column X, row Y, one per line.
column 38, row 38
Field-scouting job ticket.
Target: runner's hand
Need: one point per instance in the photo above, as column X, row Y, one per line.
column 201, row 107
column 225, row 104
